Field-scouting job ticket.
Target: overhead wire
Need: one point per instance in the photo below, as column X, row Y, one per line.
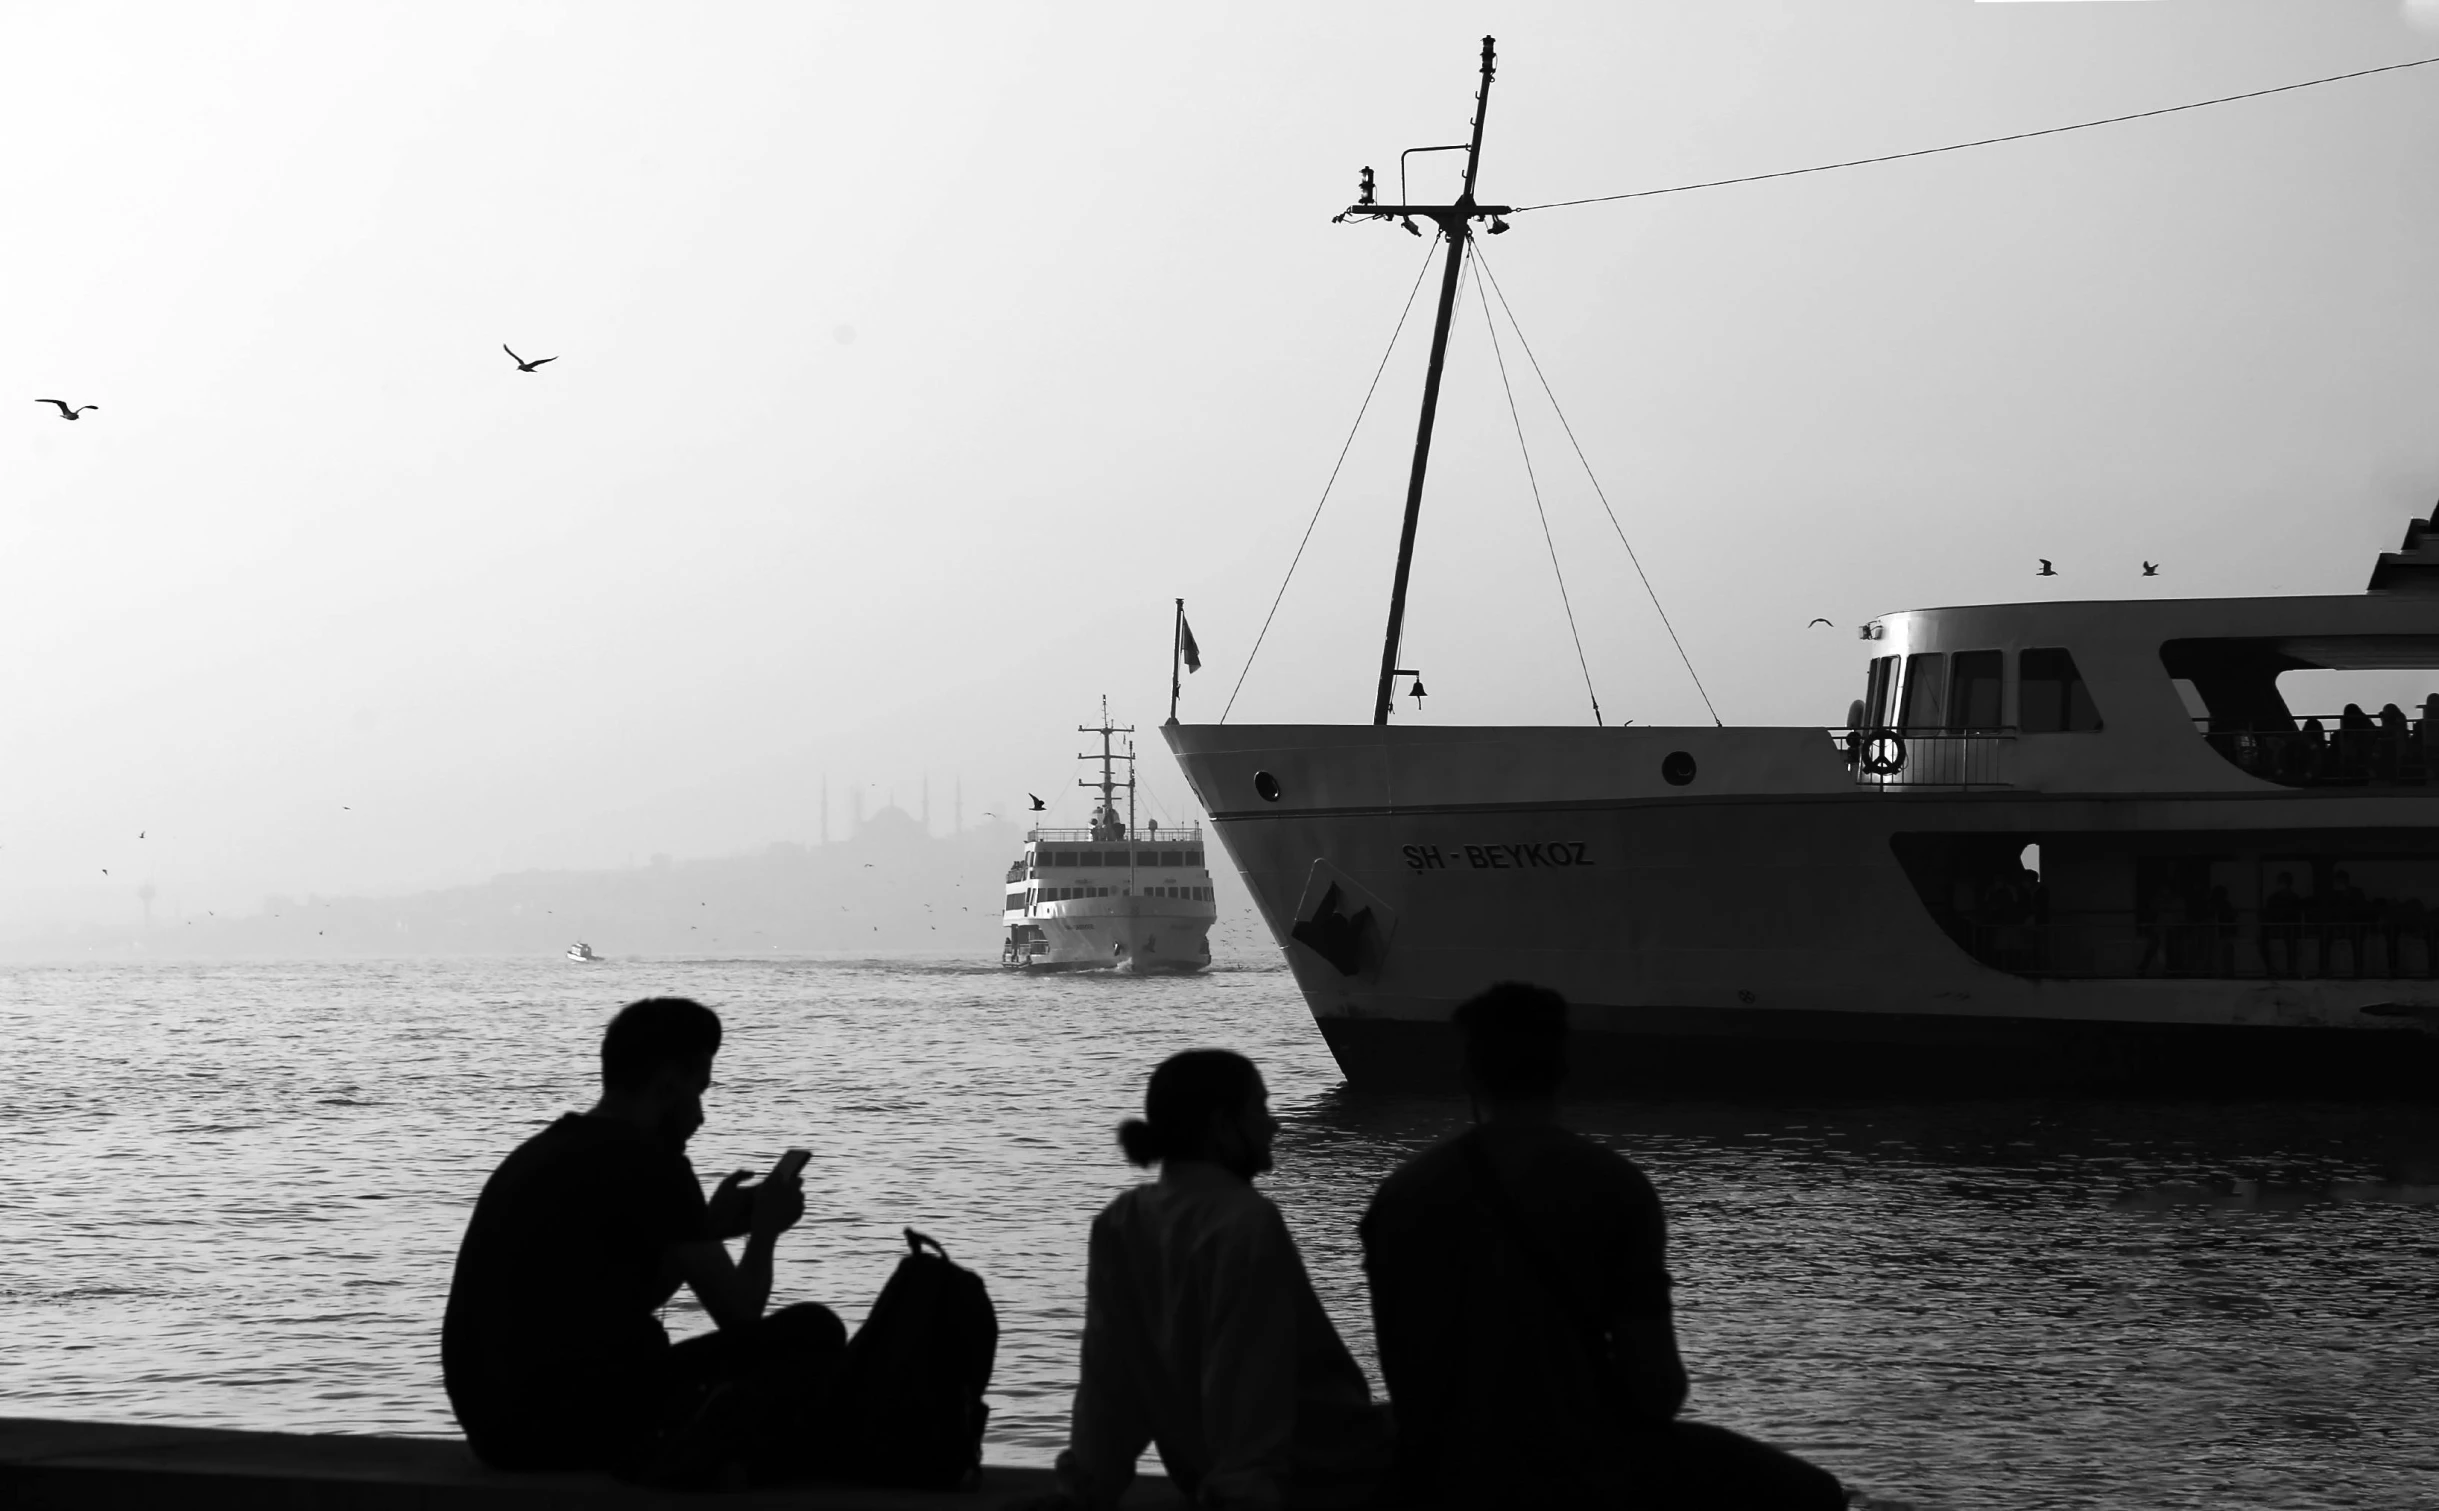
column 1987, row 141
column 1360, row 412
column 1598, row 491
column 1473, row 262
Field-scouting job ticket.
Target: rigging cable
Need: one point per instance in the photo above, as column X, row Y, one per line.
column 1987, row 141
column 1360, row 412
column 1488, row 324
column 1598, row 492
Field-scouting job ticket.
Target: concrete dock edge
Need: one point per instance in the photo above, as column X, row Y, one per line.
column 48, row 1465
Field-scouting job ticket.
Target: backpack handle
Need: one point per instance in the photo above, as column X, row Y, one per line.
column 915, row 1242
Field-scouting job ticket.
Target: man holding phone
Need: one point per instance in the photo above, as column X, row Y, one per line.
column 552, row 1348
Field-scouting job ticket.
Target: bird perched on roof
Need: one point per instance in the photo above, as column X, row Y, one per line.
column 2151, row 569
column 2046, row 569
column 65, row 411
column 524, row 366
column 1037, row 803
column 1820, row 621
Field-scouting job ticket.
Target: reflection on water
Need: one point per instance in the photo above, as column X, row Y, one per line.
column 234, row 1192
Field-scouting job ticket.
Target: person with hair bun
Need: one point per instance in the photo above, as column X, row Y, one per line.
column 1520, row 1295
column 1202, row 1334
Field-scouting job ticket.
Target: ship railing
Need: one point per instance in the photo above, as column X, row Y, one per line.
column 2380, row 755
column 1890, row 758
column 2125, row 947
column 1143, row 834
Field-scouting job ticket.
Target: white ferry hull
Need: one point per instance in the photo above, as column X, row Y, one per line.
column 1750, row 932
column 1153, row 936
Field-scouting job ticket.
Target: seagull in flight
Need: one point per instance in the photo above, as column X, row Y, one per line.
column 1820, row 621
column 2151, row 569
column 2046, row 569
column 1037, row 803
column 523, row 366
column 65, row 411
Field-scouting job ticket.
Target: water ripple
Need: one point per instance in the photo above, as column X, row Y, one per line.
column 234, row 1193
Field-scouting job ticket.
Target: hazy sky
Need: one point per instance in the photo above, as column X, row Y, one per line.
column 913, row 359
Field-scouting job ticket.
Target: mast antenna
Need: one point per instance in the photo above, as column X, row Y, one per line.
column 1455, row 223
column 1106, row 823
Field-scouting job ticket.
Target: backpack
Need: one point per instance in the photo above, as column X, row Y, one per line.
column 907, row 1409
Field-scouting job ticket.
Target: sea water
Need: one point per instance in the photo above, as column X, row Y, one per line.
column 230, row 1195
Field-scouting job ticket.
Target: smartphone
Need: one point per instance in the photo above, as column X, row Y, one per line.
column 791, row 1164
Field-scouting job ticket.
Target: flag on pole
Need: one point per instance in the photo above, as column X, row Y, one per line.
column 1185, row 642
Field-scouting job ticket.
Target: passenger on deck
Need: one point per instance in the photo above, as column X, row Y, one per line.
column 2155, row 922
column 2390, row 761
column 2351, row 916
column 2313, row 765
column 1520, row 1295
column 2282, row 915
column 551, row 1350
column 2354, row 736
column 1202, row 1335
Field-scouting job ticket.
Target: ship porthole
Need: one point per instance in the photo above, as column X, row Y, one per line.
column 1677, row 768
column 1267, row 785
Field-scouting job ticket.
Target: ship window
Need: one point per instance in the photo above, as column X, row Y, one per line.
column 2197, row 708
column 1171, row 858
column 2050, row 695
column 1089, row 858
column 1194, row 857
column 1973, row 692
column 1923, row 675
column 1876, row 691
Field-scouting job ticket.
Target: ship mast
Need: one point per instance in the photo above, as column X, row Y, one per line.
column 1106, row 823
column 1453, row 221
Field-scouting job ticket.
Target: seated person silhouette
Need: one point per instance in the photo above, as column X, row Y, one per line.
column 1202, row 1334
column 551, row 1348
column 1520, row 1296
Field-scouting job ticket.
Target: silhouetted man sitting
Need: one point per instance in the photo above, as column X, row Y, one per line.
column 552, row 1349
column 1520, row 1295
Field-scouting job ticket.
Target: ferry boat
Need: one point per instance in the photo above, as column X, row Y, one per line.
column 1113, row 896
column 2057, row 847
column 581, row 952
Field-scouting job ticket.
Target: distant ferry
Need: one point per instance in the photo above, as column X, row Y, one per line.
column 581, row 952
column 1113, row 896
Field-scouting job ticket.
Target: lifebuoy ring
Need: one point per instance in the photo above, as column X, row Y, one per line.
column 1883, row 752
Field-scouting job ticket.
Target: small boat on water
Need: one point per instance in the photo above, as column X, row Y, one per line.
column 2055, row 847
column 581, row 952
column 1112, row 896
